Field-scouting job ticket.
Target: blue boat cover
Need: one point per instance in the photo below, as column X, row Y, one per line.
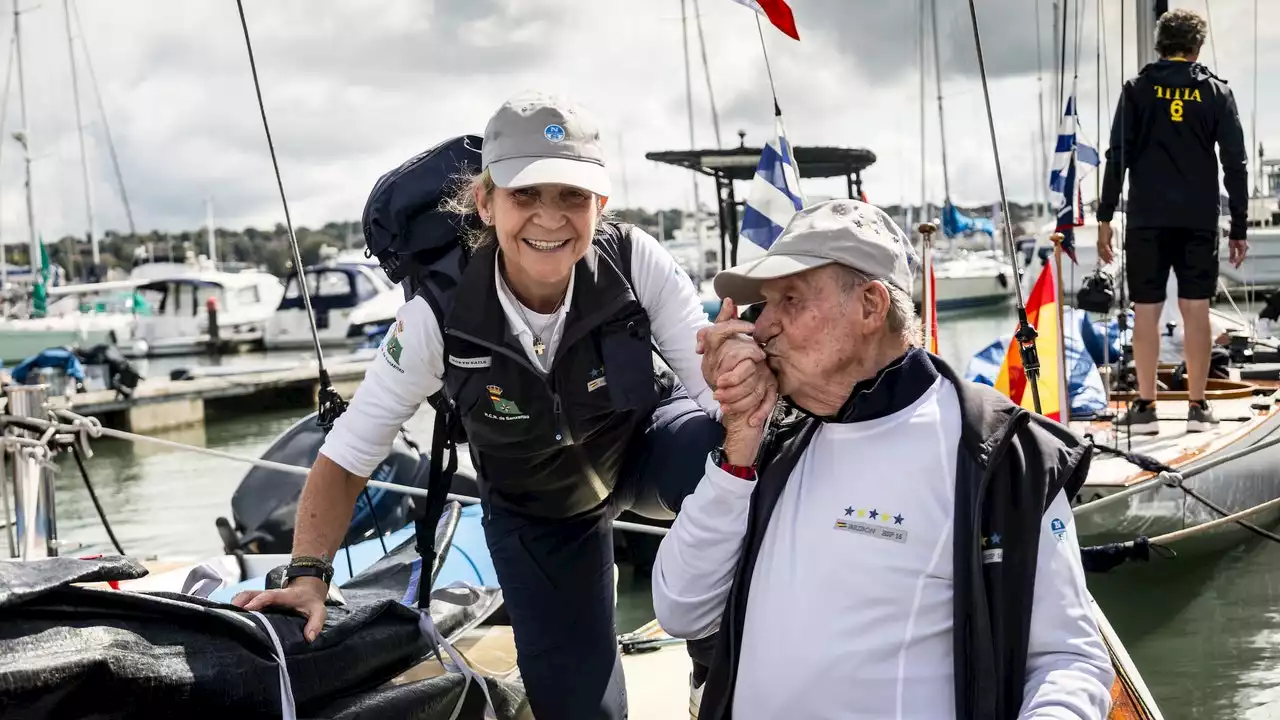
column 1084, row 383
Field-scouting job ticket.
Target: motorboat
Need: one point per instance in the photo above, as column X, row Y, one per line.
column 350, row 300
column 182, row 299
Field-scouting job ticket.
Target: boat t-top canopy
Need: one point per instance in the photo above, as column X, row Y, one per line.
column 729, row 164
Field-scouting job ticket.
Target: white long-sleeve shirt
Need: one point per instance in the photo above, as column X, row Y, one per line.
column 850, row 612
column 396, row 385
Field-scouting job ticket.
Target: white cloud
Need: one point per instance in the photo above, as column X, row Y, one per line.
column 353, row 88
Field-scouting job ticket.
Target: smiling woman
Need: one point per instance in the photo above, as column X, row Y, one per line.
column 540, row 349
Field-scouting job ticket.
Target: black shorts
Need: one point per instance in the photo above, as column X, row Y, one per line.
column 1151, row 252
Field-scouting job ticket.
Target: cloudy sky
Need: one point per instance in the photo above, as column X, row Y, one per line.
column 354, row 88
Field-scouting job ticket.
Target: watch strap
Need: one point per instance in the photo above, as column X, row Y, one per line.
column 746, row 472
column 308, row 567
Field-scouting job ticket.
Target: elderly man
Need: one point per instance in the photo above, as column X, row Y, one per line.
column 899, row 545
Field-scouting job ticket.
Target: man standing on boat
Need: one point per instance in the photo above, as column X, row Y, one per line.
column 1168, row 121
column 903, row 546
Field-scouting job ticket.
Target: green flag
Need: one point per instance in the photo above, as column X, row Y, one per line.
column 40, row 295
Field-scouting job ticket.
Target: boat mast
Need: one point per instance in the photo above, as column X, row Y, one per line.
column 23, row 137
column 84, row 160
column 688, row 90
column 942, row 125
column 213, row 248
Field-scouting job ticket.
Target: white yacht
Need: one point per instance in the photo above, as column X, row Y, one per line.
column 180, row 296
column 350, row 300
column 968, row 279
column 77, row 316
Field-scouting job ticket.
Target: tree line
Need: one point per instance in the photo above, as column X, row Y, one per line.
column 269, row 249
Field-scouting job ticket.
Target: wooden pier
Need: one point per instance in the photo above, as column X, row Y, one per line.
column 159, row 404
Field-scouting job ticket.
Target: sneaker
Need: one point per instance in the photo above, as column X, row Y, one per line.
column 1200, row 417
column 695, row 697
column 1140, row 418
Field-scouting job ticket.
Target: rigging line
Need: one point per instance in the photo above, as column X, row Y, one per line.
column 1122, row 316
column 90, row 425
column 1213, row 46
column 688, row 89
column 706, row 68
column 1097, row 88
column 84, row 160
column 293, row 241
column 1044, row 139
column 106, row 126
column 1026, row 334
column 1257, row 177
column 1062, row 58
column 920, row 47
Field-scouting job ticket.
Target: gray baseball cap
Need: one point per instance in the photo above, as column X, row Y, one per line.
column 538, row 138
column 846, row 232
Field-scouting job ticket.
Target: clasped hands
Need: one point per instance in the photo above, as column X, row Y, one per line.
column 733, row 364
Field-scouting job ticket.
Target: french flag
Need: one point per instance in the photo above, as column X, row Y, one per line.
column 778, row 13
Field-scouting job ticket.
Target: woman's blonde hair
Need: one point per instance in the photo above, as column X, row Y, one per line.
column 462, row 201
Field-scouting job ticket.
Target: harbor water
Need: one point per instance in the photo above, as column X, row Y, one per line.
column 1205, row 635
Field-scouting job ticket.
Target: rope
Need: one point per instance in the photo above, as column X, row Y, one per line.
column 85, row 428
column 102, row 514
column 1172, row 478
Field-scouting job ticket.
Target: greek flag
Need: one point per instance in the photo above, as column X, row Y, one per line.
column 775, row 192
column 1065, row 176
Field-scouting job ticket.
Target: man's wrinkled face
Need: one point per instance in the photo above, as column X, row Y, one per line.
column 814, row 326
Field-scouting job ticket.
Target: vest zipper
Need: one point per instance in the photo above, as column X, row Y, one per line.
column 563, row 435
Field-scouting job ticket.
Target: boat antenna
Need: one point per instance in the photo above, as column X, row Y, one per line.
column 1026, row 334
column 331, row 404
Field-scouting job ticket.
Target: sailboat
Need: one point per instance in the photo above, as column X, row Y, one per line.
column 967, row 275
column 1191, row 492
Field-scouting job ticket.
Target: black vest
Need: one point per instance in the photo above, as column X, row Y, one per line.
column 552, row 444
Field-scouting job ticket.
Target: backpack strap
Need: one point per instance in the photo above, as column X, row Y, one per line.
column 619, row 235
column 437, row 283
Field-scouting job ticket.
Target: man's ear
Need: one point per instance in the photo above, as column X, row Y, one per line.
column 875, row 302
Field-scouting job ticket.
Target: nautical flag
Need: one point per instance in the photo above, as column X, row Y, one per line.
column 933, row 311
column 1042, row 313
column 778, row 13
column 1065, row 176
column 775, row 192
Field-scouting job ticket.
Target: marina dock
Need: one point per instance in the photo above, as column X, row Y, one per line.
column 163, row 403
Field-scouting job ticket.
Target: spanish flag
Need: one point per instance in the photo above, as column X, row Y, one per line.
column 1044, row 312
column 933, row 312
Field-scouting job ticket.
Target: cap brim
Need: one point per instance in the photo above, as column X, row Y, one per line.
column 523, row 172
column 743, row 282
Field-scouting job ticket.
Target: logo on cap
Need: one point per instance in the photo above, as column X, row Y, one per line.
column 554, row 133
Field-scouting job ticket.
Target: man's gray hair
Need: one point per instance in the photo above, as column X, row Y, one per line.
column 902, row 317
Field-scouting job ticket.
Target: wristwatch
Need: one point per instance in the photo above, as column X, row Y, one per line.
column 746, row 472
column 308, row 567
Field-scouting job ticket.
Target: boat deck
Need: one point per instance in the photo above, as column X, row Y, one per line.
column 1173, row 446
column 657, row 681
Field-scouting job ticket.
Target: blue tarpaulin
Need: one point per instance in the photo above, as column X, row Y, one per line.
column 1084, row 382
column 955, row 223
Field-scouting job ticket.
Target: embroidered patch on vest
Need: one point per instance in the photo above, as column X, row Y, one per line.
column 505, row 407
column 471, row 363
column 597, row 380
